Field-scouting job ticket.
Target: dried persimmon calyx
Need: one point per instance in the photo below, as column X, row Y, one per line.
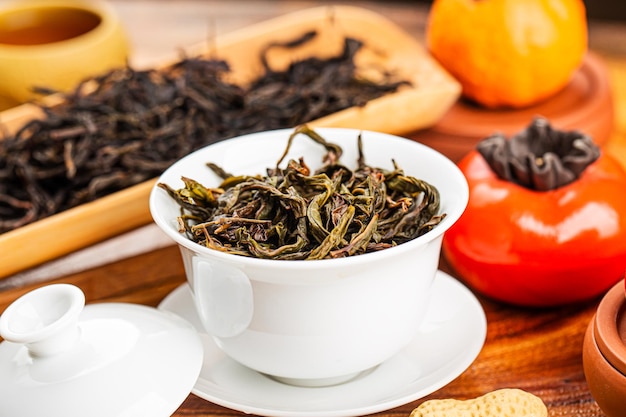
column 540, row 157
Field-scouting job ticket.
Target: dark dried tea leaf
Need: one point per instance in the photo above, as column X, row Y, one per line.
column 127, row 126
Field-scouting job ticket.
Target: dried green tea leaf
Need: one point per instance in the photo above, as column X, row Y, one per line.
column 293, row 213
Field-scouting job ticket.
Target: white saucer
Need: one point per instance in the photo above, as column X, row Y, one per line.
column 448, row 342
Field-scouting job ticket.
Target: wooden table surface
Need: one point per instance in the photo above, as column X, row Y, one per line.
column 535, row 350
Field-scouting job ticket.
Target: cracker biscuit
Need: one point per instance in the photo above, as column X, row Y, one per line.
column 507, row 402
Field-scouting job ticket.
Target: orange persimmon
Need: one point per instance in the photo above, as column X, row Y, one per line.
column 508, row 53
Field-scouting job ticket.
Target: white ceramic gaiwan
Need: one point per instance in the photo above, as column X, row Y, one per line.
column 314, row 322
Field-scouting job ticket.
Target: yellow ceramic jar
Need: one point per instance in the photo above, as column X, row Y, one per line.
column 56, row 44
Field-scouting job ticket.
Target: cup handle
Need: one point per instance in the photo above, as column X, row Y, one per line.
column 223, row 297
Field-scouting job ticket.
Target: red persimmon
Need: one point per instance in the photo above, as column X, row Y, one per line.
column 541, row 247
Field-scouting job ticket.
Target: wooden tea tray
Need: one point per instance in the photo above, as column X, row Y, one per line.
column 432, row 93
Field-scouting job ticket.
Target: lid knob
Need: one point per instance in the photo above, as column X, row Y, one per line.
column 44, row 320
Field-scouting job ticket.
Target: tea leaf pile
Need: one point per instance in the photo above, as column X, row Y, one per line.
column 293, row 213
column 127, row 126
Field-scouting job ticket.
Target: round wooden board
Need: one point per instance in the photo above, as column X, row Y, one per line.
column 586, row 104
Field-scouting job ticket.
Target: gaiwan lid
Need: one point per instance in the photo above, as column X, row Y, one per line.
column 63, row 358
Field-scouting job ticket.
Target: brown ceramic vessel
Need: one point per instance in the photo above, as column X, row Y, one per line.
column 604, row 353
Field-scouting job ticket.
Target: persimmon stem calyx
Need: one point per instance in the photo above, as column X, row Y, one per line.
column 539, row 157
